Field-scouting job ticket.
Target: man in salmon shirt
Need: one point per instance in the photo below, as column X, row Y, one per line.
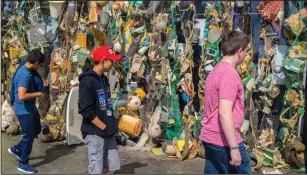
column 224, row 111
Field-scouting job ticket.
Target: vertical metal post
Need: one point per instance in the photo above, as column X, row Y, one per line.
column 305, row 124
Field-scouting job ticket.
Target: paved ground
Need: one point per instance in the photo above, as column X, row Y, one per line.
column 56, row 158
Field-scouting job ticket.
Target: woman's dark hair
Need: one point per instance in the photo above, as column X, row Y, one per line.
column 36, row 56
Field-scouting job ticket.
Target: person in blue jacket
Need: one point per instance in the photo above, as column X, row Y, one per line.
column 27, row 85
column 99, row 125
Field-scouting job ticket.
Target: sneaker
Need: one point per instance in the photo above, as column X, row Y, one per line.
column 13, row 150
column 26, row 168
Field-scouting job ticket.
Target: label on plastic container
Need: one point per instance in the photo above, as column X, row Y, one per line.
column 81, row 40
column 75, row 58
column 14, row 53
column 266, row 110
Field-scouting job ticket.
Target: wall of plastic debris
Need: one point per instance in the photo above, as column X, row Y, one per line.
column 169, row 48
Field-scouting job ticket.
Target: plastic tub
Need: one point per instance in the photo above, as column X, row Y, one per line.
column 55, row 8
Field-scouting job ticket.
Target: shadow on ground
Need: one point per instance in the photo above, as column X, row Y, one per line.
column 130, row 168
column 53, row 153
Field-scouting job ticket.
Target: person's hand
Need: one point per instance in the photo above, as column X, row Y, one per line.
column 235, row 157
column 103, row 127
column 41, row 94
column 45, row 83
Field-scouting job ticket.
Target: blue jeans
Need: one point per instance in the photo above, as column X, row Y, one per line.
column 218, row 158
column 31, row 127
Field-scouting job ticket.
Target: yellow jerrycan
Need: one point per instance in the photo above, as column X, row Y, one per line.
column 130, row 125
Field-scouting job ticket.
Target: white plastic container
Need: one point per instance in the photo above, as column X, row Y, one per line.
column 55, row 8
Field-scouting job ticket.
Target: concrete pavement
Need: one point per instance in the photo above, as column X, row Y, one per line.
column 58, row 158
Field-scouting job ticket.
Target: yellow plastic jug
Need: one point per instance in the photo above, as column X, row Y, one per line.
column 14, row 53
column 130, row 125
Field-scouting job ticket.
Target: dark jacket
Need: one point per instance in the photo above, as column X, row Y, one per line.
column 91, row 93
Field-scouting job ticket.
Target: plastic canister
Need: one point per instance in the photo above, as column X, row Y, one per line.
column 55, row 8
column 130, row 125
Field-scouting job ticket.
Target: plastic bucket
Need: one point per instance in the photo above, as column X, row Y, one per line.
column 55, row 8
column 130, row 125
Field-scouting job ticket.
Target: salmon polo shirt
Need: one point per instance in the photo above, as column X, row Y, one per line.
column 223, row 82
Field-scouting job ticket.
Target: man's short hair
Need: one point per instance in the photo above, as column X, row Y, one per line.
column 36, row 56
column 233, row 41
column 96, row 62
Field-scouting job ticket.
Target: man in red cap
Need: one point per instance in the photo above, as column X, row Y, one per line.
column 99, row 125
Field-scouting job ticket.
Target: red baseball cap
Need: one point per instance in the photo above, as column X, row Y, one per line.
column 105, row 53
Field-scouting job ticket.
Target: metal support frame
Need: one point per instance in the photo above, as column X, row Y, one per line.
column 305, row 125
